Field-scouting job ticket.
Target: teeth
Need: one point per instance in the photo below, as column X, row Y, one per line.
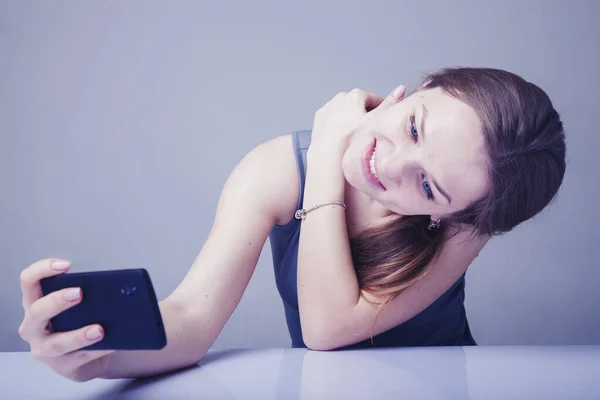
column 372, row 163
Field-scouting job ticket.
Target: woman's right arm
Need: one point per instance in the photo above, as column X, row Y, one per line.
column 260, row 192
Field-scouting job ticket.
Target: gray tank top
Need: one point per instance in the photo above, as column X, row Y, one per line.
column 443, row 323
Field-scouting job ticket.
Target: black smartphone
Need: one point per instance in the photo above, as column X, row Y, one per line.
column 122, row 301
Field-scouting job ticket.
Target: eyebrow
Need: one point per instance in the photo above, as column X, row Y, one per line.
column 442, row 191
column 424, row 113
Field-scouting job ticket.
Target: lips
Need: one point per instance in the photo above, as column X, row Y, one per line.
column 367, row 166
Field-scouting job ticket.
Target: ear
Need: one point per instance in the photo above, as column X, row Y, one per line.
column 436, row 219
column 434, row 223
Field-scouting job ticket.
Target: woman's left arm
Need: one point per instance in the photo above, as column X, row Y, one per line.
column 333, row 309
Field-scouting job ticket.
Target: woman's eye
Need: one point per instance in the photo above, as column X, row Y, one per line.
column 427, row 189
column 413, row 128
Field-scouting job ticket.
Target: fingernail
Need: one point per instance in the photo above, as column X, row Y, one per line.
column 93, row 333
column 72, row 294
column 60, row 265
column 397, row 91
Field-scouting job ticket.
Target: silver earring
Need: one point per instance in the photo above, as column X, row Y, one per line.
column 433, row 225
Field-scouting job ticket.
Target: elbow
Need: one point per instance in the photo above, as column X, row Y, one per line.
column 316, row 346
column 321, row 339
column 191, row 337
column 181, row 326
column 326, row 332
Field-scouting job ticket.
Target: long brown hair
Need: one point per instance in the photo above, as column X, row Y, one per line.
column 525, row 146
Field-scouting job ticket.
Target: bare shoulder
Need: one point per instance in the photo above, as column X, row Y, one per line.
column 272, row 164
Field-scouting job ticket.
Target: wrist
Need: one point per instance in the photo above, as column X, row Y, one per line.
column 327, row 148
column 324, row 183
column 324, row 160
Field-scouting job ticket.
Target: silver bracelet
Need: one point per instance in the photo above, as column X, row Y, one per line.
column 301, row 214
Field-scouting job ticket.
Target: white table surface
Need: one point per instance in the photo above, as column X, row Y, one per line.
column 497, row 372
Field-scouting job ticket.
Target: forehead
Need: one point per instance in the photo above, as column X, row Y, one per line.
column 448, row 110
column 454, row 148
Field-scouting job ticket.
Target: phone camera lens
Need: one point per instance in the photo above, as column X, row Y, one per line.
column 129, row 290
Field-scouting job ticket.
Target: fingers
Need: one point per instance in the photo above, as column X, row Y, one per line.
column 62, row 350
column 43, row 309
column 31, row 276
column 395, row 96
column 372, row 100
column 63, row 343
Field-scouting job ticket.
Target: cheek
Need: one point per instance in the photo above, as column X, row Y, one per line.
column 346, row 164
column 351, row 165
column 349, row 155
column 355, row 151
column 404, row 201
column 393, row 122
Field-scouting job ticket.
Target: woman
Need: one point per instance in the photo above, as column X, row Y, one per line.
column 394, row 197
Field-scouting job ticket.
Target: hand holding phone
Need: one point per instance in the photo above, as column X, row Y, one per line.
column 123, row 302
column 70, row 317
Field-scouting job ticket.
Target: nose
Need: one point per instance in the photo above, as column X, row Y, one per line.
column 400, row 164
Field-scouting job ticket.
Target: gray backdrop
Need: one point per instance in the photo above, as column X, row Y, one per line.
column 120, row 122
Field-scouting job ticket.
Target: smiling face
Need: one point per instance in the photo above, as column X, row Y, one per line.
column 429, row 156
